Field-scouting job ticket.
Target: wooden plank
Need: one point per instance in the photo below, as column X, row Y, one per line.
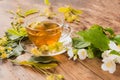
column 95, row 66
column 73, row 70
column 95, row 12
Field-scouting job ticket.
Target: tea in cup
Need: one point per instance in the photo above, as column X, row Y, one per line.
column 44, row 32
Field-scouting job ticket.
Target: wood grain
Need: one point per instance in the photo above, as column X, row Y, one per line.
column 103, row 12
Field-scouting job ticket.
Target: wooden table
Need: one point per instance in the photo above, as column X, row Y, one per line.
column 103, row 12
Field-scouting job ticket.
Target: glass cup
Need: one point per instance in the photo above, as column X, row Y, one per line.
column 44, row 31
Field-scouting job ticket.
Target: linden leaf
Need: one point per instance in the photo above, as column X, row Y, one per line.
column 44, row 66
column 43, row 59
column 35, row 65
column 96, row 37
column 79, row 43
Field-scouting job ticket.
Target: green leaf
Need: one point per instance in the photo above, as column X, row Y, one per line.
column 115, row 53
column 47, row 2
column 43, row 59
column 13, row 37
column 44, row 66
column 17, row 51
column 13, row 32
column 38, row 66
column 90, row 53
column 22, row 31
column 117, row 39
column 79, row 43
column 31, row 11
column 96, row 37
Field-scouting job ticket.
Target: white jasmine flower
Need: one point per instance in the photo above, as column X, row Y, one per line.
column 113, row 46
column 82, row 53
column 109, row 65
column 70, row 52
column 111, row 57
column 106, row 53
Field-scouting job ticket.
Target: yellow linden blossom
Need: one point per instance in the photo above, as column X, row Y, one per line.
column 70, row 14
column 20, row 20
column 3, row 56
column 2, row 49
column 9, row 48
column 50, row 77
column 55, row 47
column 3, row 41
column 36, row 52
column 43, row 48
column 48, row 12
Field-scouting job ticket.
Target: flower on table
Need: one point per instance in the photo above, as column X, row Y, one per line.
column 111, row 57
column 108, row 65
column 75, row 53
column 82, row 53
column 113, row 46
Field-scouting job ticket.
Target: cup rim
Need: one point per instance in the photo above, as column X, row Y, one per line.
column 47, row 20
column 45, row 30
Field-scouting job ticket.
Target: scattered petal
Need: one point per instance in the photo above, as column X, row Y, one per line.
column 70, row 52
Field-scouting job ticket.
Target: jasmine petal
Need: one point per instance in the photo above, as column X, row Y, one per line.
column 106, row 53
column 70, row 52
column 113, row 46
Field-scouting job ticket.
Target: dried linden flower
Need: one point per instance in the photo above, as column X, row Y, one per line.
column 36, row 52
column 70, row 14
column 4, row 55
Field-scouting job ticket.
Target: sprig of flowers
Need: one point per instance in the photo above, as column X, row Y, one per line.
column 97, row 42
column 10, row 46
column 48, row 11
column 70, row 14
column 10, row 42
column 42, row 64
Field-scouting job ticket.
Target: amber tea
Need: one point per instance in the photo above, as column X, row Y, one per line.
column 44, row 33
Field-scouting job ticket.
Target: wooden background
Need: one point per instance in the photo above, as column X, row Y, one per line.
column 103, row 12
